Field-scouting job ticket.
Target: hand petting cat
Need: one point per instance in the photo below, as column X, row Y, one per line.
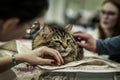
column 37, row 57
column 90, row 42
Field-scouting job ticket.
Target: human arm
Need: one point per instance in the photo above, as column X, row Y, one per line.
column 108, row 46
column 34, row 57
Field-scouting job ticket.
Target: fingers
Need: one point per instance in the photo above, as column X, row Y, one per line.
column 81, row 35
column 78, row 32
column 56, row 55
column 47, row 61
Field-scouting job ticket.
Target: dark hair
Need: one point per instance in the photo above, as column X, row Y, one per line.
column 25, row 10
column 116, row 28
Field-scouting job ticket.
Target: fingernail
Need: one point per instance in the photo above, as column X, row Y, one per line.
column 53, row 62
column 63, row 62
column 25, row 69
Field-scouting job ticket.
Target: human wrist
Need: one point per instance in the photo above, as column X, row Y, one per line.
column 19, row 58
column 14, row 61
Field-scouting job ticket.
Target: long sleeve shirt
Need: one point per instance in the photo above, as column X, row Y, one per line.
column 109, row 46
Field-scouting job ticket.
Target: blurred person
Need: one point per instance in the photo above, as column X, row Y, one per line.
column 109, row 22
column 15, row 15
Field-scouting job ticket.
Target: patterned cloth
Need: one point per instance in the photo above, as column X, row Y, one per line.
column 9, row 48
column 26, row 74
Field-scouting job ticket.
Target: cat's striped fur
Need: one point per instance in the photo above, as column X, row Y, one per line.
column 59, row 38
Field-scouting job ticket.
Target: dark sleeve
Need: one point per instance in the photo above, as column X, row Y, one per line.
column 110, row 46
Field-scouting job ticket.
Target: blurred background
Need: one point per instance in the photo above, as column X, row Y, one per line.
column 83, row 14
column 72, row 11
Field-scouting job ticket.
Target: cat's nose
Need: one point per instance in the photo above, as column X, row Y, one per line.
column 65, row 45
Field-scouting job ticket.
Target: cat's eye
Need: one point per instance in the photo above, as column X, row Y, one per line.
column 57, row 42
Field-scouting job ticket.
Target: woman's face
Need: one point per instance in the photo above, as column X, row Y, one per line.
column 108, row 16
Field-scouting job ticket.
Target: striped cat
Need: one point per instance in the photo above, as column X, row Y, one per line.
column 59, row 38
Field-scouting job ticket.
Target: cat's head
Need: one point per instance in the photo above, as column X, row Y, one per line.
column 59, row 38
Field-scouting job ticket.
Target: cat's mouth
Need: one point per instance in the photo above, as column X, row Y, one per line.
column 64, row 53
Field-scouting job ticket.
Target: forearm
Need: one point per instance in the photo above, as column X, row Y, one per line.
column 6, row 62
column 110, row 46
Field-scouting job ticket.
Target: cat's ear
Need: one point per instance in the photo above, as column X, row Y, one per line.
column 69, row 27
column 46, row 29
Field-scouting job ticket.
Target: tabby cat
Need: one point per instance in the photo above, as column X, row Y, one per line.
column 59, row 38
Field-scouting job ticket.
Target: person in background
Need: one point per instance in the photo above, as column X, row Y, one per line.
column 109, row 22
column 15, row 15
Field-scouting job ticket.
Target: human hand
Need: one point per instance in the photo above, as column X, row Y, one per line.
column 37, row 56
column 90, row 42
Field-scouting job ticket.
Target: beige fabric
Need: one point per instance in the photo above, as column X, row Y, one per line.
column 9, row 48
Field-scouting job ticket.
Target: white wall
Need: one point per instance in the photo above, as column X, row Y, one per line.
column 56, row 11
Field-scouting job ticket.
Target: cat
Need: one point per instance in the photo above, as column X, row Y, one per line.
column 61, row 39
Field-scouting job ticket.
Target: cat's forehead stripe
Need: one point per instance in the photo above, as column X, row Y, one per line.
column 60, row 33
column 57, row 37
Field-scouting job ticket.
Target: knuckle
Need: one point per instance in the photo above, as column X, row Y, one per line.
column 43, row 48
column 56, row 52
